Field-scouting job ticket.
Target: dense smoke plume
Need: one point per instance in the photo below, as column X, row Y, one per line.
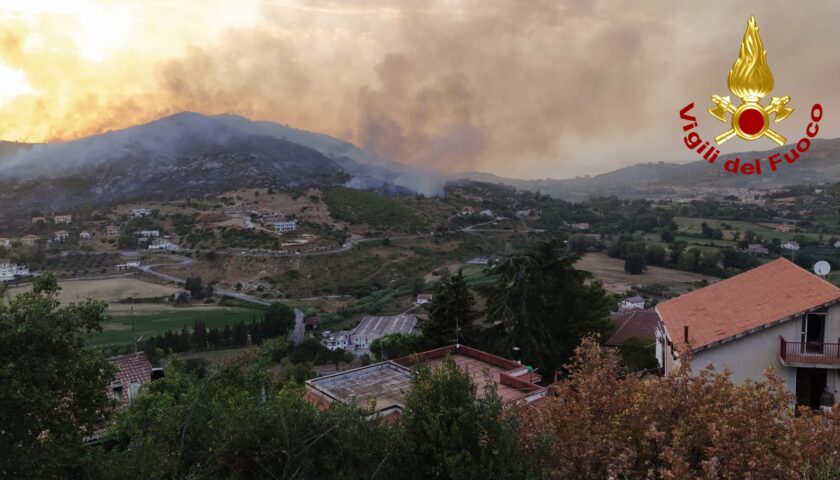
column 525, row 88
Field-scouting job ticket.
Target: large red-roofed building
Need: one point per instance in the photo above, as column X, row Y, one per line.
column 776, row 316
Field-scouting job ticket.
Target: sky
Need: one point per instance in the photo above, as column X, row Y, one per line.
column 520, row 88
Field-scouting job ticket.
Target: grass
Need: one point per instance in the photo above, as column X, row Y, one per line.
column 118, row 330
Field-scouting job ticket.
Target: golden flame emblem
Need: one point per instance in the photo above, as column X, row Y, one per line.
column 750, row 79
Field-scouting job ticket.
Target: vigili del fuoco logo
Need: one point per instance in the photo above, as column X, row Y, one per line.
column 750, row 80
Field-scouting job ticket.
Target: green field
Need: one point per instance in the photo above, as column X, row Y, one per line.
column 119, row 331
column 693, row 225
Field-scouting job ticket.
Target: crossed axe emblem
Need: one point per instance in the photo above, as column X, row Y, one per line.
column 777, row 107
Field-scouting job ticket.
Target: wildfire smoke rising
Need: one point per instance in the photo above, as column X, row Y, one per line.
column 524, row 88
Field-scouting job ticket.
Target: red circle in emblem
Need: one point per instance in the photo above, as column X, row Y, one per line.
column 751, row 121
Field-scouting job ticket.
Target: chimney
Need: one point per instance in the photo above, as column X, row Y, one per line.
column 686, row 334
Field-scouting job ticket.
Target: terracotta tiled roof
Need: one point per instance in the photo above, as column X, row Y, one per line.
column 633, row 323
column 132, row 368
column 772, row 292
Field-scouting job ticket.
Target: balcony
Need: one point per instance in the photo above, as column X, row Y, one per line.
column 809, row 354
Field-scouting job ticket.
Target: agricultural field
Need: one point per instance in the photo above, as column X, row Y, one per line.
column 119, row 330
column 109, row 290
column 611, row 272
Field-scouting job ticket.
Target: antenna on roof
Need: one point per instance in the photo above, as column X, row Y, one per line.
column 822, row 268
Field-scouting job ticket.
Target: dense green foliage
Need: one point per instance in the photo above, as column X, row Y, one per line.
column 451, row 313
column 544, row 306
column 397, row 345
column 52, row 389
column 362, row 206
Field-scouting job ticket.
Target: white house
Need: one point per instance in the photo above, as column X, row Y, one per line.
column 288, row 226
column 162, row 244
column 61, row 235
column 756, row 249
column 8, row 271
column 140, row 212
column 486, row 213
column 334, row 341
column 837, row 244
column 777, row 316
column 791, row 245
column 84, row 236
column 63, row 219
column 632, row 303
column 148, row 233
column 5, row 242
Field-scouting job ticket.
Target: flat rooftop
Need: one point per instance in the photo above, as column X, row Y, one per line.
column 384, row 384
column 379, row 326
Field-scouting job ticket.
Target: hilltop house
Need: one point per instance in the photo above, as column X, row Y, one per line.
column 386, row 384
column 632, row 303
column 791, row 245
column 29, row 240
column 774, row 316
column 63, row 219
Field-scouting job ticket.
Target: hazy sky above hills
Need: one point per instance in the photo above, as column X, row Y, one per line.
column 523, row 88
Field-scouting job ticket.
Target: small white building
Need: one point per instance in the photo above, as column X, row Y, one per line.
column 756, row 249
column 791, row 245
column 486, row 213
column 334, row 341
column 127, row 266
column 140, row 212
column 580, row 226
column 84, row 236
column 148, row 233
column 5, row 242
column 287, row 226
column 424, row 298
column 63, row 219
column 632, row 303
column 61, row 235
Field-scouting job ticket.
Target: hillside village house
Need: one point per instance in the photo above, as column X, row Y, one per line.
column 29, row 240
column 61, row 235
column 467, row 210
column 486, row 213
column 133, row 371
column 63, row 219
column 289, row 226
column 148, row 233
column 162, row 244
column 580, row 226
column 632, row 303
column 140, row 212
column 38, row 220
column 5, row 242
column 641, row 324
column 84, row 236
column 776, row 316
column 112, row 231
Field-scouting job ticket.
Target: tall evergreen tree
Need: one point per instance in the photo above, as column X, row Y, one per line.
column 542, row 304
column 453, row 306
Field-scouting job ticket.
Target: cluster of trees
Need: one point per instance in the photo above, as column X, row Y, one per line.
column 276, row 322
column 198, row 290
